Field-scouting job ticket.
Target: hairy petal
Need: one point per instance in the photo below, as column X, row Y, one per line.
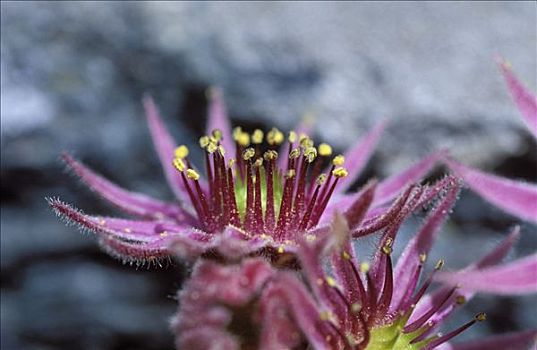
column 165, row 147
column 524, row 99
column 388, row 189
column 517, row 277
column 515, row 197
column 218, row 119
column 421, row 244
column 130, row 202
column 358, row 155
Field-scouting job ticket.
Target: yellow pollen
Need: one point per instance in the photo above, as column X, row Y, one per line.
column 346, row 256
column 181, row 152
column 258, row 162
column 294, row 153
column 325, row 150
column 290, row 173
column 460, row 299
column 305, row 141
column 221, row 150
column 387, row 249
column 311, row 237
column 281, row 249
column 204, row 141
column 439, row 264
column 179, row 164
column 310, row 153
column 231, row 162
column 212, row 147
column 330, row 281
column 481, row 316
column 325, row 315
column 248, row 153
column 257, row 137
column 192, row 174
column 270, row 155
column 423, row 257
column 241, row 137
column 292, row 136
column 340, row 172
column 364, row 267
column 217, row 134
column 320, row 179
column 356, row 308
column 338, row 160
column 274, row 137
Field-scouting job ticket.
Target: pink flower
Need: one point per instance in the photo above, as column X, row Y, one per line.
column 251, row 201
column 338, row 301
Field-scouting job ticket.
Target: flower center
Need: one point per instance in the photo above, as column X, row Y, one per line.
column 256, row 191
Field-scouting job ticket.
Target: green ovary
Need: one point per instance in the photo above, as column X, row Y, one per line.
column 241, row 191
column 391, row 337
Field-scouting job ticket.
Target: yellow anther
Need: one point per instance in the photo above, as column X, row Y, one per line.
column 292, row 136
column 257, row 137
column 481, row 316
column 179, row 164
column 423, row 257
column 244, row 140
column 204, row 141
column 340, row 172
column 212, row 147
column 311, row 237
column 248, row 153
column 217, row 134
column 270, row 155
column 364, row 267
column 258, row 162
column 221, row 150
column 325, row 150
column 387, row 249
column 231, row 162
column 356, row 308
column 330, row 281
column 281, row 249
column 274, row 137
column 439, row 264
column 346, row 255
column 321, row 179
column 181, row 152
column 305, row 141
column 460, row 299
column 338, row 160
column 192, row 174
column 310, row 153
column 295, row 153
column 290, row 173
column 325, row 315
column 236, row 132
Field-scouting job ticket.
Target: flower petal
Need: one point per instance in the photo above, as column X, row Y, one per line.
column 130, row 202
column 505, row 341
column 524, row 99
column 165, row 147
column 517, row 277
column 218, row 119
column 515, row 197
column 409, row 260
column 357, row 157
column 392, row 186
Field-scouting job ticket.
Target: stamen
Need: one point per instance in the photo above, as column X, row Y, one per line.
column 181, row 152
column 419, row 322
column 257, row 137
column 270, row 157
column 442, row 339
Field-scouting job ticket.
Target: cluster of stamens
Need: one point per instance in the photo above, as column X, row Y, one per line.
column 255, row 192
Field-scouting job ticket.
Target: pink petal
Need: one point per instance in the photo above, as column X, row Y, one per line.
column 165, row 146
column 506, row 341
column 515, row 197
column 421, row 244
column 392, row 186
column 218, row 119
column 517, row 277
column 358, row 155
column 130, row 202
column 524, row 99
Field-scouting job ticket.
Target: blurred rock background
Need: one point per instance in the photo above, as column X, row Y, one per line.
column 72, row 75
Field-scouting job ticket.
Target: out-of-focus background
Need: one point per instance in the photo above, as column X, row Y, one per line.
column 72, row 75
